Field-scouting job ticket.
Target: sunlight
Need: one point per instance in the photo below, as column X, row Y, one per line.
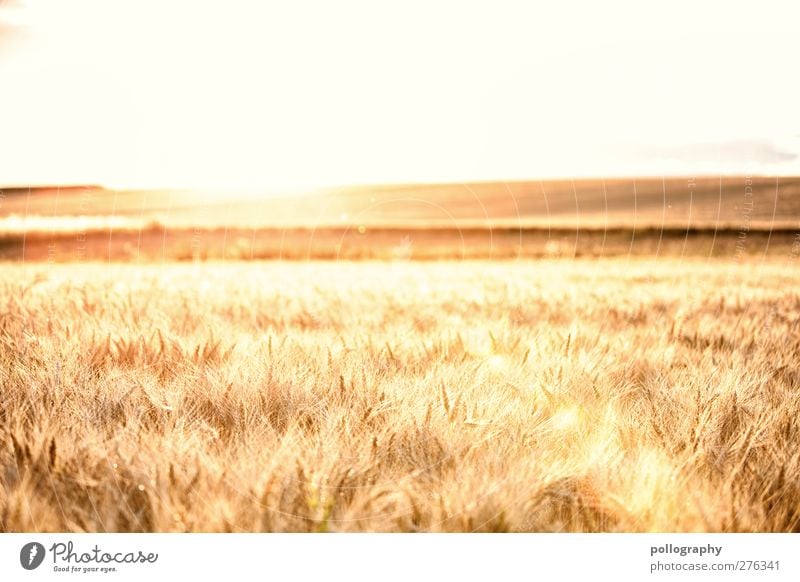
column 31, row 223
column 497, row 362
column 566, row 418
column 651, row 485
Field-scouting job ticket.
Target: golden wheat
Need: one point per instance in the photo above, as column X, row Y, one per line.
column 606, row 395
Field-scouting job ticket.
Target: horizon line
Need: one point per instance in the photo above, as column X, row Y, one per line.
column 388, row 184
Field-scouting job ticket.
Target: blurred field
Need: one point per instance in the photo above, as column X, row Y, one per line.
column 393, row 243
column 703, row 202
column 553, row 395
column 500, row 220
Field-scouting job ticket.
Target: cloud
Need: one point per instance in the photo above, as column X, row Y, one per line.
column 755, row 151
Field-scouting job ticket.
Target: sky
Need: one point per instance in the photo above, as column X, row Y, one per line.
column 274, row 95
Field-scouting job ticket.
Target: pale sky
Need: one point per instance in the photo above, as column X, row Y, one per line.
column 310, row 93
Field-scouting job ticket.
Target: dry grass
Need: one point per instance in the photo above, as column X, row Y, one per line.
column 606, row 395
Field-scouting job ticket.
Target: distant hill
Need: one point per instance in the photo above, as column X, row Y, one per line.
column 729, row 202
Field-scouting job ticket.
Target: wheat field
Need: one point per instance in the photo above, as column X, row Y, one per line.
column 554, row 395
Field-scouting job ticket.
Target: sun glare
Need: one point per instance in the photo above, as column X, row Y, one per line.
column 565, row 418
column 497, row 362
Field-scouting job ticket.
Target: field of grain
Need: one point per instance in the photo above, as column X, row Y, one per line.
column 612, row 394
